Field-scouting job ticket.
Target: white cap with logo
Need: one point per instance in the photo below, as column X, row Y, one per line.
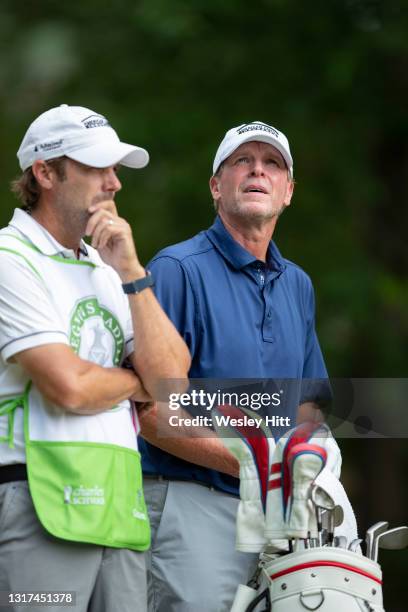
column 81, row 135
column 247, row 132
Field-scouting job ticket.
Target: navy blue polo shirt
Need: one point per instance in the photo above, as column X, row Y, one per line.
column 240, row 317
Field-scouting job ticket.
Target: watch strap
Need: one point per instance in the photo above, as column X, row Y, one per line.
column 138, row 285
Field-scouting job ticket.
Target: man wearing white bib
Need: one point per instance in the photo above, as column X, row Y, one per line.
column 72, row 513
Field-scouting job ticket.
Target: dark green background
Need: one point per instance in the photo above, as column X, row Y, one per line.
column 173, row 76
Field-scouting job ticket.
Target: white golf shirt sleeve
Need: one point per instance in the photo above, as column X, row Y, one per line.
column 28, row 317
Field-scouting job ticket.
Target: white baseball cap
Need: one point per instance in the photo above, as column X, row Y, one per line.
column 80, row 134
column 247, row 132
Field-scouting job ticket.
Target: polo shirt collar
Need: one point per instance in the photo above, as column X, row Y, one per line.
column 236, row 254
column 35, row 233
column 274, row 258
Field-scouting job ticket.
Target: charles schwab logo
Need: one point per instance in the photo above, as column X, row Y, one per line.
column 94, row 121
column 258, row 127
column 84, row 496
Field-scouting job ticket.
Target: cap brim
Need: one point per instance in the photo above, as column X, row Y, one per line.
column 103, row 155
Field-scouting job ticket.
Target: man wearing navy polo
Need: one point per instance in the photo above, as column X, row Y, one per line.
column 244, row 312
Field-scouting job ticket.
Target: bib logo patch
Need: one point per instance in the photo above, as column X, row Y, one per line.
column 84, row 496
column 95, row 333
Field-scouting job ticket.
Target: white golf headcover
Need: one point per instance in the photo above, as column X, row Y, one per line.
column 253, row 447
column 275, row 526
column 329, row 481
column 305, row 461
column 277, row 502
column 278, row 517
column 266, row 513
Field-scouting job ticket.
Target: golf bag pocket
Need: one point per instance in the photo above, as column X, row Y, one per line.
column 325, row 579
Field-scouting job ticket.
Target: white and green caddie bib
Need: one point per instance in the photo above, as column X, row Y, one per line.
column 84, row 472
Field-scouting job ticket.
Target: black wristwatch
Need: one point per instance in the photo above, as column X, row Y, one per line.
column 137, row 286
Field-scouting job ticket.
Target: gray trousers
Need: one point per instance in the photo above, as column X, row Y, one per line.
column 193, row 565
column 104, row 579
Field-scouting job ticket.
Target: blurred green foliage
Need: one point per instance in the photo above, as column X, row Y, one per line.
column 174, row 75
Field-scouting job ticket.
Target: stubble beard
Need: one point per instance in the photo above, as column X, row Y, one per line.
column 72, row 217
column 259, row 216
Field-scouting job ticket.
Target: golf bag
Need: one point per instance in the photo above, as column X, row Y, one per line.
column 327, row 579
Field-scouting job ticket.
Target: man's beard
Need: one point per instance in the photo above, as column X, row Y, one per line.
column 76, row 220
column 73, row 218
column 257, row 215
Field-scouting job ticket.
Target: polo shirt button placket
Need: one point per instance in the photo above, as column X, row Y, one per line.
column 261, row 276
column 268, row 320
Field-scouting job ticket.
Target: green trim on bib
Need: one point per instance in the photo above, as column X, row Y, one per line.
column 26, row 242
column 28, row 262
column 68, row 260
column 9, row 407
column 52, row 443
